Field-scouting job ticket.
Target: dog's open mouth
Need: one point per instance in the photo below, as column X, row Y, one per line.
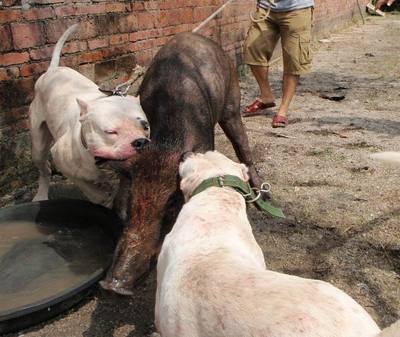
column 101, row 160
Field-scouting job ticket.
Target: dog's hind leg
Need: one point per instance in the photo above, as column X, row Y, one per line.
column 42, row 140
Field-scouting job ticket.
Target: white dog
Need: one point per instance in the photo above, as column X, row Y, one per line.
column 83, row 128
column 212, row 280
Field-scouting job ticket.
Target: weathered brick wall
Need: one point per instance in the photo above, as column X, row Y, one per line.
column 113, row 37
column 333, row 14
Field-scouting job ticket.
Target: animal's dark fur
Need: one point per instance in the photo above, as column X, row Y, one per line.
column 189, row 87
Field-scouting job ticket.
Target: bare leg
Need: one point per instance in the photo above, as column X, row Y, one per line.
column 289, row 89
column 261, row 75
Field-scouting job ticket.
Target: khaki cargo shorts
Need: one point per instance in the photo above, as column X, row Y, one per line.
column 294, row 29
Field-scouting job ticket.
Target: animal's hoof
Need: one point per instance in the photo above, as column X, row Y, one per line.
column 116, row 286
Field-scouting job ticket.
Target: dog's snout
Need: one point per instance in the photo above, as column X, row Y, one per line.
column 139, row 144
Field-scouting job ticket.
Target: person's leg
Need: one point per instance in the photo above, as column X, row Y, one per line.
column 288, row 91
column 295, row 30
column 258, row 48
column 261, row 75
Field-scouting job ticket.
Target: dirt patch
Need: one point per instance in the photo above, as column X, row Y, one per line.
column 343, row 209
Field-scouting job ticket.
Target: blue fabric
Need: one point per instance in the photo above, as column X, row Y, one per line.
column 285, row 5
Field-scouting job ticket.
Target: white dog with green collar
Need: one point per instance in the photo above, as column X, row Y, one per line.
column 212, row 280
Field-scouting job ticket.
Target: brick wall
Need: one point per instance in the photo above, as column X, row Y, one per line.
column 113, row 37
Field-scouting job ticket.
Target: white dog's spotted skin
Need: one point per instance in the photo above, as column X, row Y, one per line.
column 212, row 280
column 70, row 117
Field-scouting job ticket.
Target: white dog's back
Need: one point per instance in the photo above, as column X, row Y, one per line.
column 212, row 280
column 217, row 285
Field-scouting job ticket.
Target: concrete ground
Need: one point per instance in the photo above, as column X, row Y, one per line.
column 343, row 209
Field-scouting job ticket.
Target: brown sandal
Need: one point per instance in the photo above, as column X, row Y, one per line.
column 254, row 108
column 280, row 121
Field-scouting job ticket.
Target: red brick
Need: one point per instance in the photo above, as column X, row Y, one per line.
column 173, row 17
column 34, row 69
column 98, row 43
column 71, row 61
column 38, row 13
column 176, row 29
column 170, row 4
column 9, row 73
column 13, row 58
column 161, row 41
column 41, row 53
column 144, row 57
column 55, row 28
column 91, row 9
column 114, row 51
column 8, row 3
column 74, row 47
column 128, row 23
column 45, row 2
column 62, row 11
column 5, row 38
column 201, row 13
column 116, row 7
column 137, row 6
column 151, row 5
column 9, row 15
column 27, row 35
column 87, row 29
column 146, row 20
column 140, row 45
column 118, row 39
column 145, row 34
column 91, row 56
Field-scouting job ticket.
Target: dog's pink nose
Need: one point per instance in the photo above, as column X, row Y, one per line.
column 139, row 144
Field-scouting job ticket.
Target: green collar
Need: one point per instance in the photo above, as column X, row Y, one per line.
column 251, row 195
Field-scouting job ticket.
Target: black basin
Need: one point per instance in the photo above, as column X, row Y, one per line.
column 51, row 254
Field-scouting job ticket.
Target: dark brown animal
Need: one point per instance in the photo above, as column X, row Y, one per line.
column 189, row 87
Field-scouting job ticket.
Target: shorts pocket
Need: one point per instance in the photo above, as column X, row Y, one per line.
column 260, row 17
column 305, row 50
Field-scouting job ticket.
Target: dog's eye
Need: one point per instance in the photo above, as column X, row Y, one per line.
column 110, row 132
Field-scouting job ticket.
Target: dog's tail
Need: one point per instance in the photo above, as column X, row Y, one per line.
column 387, row 157
column 212, row 16
column 392, row 331
column 55, row 58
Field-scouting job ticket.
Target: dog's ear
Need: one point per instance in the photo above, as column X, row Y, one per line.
column 187, row 186
column 245, row 172
column 84, row 108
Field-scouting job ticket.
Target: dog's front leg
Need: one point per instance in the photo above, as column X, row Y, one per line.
column 98, row 195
